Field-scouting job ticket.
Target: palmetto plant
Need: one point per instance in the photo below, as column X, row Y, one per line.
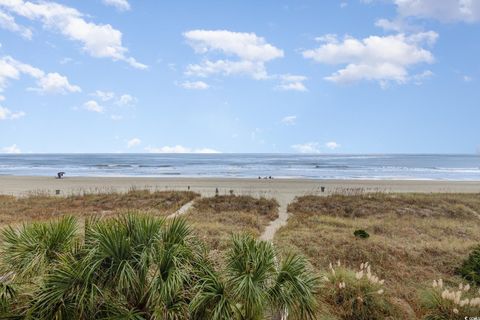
column 253, row 285
column 141, row 267
column 30, row 250
column 7, row 293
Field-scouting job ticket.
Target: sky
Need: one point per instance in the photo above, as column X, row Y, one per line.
column 263, row 76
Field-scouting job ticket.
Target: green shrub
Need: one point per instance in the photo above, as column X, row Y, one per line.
column 141, row 267
column 470, row 268
column 361, row 234
column 442, row 303
column 355, row 295
column 7, row 293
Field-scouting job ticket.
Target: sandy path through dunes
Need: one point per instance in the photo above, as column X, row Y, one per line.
column 184, row 209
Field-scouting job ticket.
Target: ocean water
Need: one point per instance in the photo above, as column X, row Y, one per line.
column 416, row 167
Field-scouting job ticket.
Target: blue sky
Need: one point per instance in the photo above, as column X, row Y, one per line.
column 356, row 76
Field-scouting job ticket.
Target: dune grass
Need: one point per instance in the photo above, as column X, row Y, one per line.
column 215, row 219
column 414, row 238
column 39, row 207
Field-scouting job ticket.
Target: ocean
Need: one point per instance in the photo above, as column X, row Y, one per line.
column 322, row 166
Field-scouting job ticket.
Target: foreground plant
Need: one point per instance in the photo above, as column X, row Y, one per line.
column 32, row 249
column 7, row 293
column 254, row 285
column 443, row 303
column 355, row 295
column 470, row 268
column 140, row 267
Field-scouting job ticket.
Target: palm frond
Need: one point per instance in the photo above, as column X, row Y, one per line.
column 31, row 249
column 294, row 288
column 212, row 300
column 69, row 290
column 250, row 263
column 8, row 293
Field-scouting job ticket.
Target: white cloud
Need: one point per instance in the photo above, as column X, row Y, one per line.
column 126, row 100
column 133, row 142
column 55, row 83
column 467, row 78
column 179, row 149
column 11, row 69
column 242, row 54
column 290, row 82
column 448, row 11
column 93, row 106
column 329, row 37
column 104, row 95
column 444, row 10
column 195, row 85
column 314, row 147
column 250, row 53
column 206, row 150
column 419, row 78
column 309, row 147
column 289, row 120
column 98, row 40
column 377, row 58
column 11, row 149
column 121, row 5
column 8, row 22
column 123, row 100
column 332, row 145
column 246, row 46
column 6, row 114
column 110, row 103
column 207, row 68
column 397, row 24
column 292, row 86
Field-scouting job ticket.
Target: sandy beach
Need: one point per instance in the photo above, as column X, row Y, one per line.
column 279, row 188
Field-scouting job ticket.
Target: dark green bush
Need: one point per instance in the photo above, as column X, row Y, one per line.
column 361, row 234
column 470, row 268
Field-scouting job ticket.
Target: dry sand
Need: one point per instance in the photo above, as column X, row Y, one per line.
column 278, row 188
column 284, row 190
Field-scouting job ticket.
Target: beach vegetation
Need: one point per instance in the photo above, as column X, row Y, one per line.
column 470, row 268
column 215, row 219
column 446, row 303
column 137, row 266
column 38, row 206
column 414, row 238
column 354, row 295
column 360, row 233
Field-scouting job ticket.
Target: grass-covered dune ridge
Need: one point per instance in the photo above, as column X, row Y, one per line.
column 414, row 238
column 216, row 218
column 139, row 266
column 43, row 206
